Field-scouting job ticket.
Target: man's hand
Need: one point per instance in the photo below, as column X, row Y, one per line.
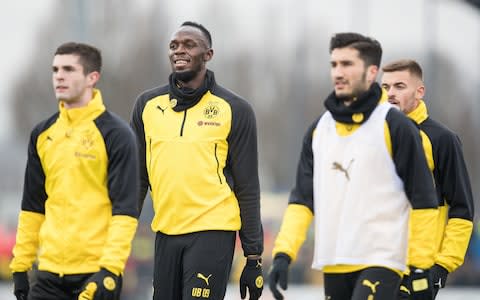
column 20, row 285
column 405, row 287
column 103, row 285
column 252, row 278
column 421, row 286
column 438, row 275
column 279, row 274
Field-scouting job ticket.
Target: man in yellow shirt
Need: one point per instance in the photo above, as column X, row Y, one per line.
column 198, row 156
column 79, row 207
column 403, row 81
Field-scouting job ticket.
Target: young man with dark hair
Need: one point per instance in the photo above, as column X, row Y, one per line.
column 361, row 169
column 198, row 155
column 403, row 81
column 79, row 208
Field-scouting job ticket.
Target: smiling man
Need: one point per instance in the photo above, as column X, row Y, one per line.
column 361, row 168
column 403, row 81
column 198, row 156
column 79, row 207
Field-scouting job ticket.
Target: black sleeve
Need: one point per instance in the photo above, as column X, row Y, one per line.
column 243, row 163
column 452, row 176
column 302, row 193
column 34, row 193
column 410, row 162
column 136, row 123
column 122, row 165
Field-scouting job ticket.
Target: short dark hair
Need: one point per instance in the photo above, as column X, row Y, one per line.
column 89, row 57
column 370, row 50
column 405, row 65
column 204, row 30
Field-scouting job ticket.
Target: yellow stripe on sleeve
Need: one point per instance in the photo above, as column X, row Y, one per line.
column 118, row 244
column 455, row 243
column 293, row 231
column 427, row 148
column 388, row 138
column 421, row 247
column 26, row 246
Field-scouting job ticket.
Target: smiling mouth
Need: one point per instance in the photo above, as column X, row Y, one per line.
column 181, row 62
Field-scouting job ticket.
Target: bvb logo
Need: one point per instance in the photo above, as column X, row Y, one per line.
column 87, row 140
column 211, row 111
column 109, row 283
column 259, row 281
column 357, row 117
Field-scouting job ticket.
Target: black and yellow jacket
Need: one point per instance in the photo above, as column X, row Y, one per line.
column 79, row 209
column 410, row 164
column 453, row 189
column 198, row 155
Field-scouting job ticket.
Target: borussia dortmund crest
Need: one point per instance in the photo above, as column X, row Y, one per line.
column 357, row 117
column 87, row 140
column 211, row 111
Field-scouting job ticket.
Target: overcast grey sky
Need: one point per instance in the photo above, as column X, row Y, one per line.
column 19, row 21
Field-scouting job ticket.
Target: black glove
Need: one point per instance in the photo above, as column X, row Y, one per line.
column 421, row 287
column 405, row 286
column 252, row 278
column 438, row 275
column 103, row 285
column 279, row 274
column 20, row 285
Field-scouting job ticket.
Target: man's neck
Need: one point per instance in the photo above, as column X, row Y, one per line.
column 82, row 101
column 196, row 82
column 348, row 102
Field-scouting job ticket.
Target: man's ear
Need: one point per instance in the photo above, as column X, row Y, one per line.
column 93, row 78
column 420, row 92
column 372, row 72
column 208, row 55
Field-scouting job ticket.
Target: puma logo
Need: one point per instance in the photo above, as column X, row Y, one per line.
column 161, row 109
column 372, row 286
column 338, row 166
column 404, row 289
column 439, row 283
column 201, row 276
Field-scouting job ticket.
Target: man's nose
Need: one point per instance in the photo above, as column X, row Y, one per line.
column 58, row 74
column 180, row 49
column 337, row 72
column 390, row 93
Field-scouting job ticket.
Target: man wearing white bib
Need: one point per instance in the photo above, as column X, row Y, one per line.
column 361, row 169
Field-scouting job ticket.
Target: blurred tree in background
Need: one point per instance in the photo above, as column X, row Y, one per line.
column 282, row 68
column 280, row 79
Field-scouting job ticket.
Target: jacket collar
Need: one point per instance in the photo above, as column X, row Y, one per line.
column 89, row 112
column 184, row 98
column 420, row 113
column 359, row 110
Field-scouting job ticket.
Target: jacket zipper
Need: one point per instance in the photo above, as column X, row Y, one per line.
column 183, row 122
column 218, row 165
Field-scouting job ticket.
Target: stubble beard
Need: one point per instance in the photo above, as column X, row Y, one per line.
column 186, row 76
